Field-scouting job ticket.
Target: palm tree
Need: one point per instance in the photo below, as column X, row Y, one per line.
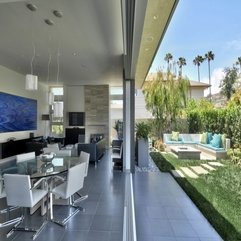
column 168, row 58
column 181, row 62
column 210, row 56
column 197, row 61
column 238, row 62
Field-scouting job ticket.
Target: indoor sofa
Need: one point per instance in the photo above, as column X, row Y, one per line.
column 96, row 148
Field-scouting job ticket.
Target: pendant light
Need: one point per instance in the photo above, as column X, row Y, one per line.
column 31, row 81
column 58, row 105
column 58, row 109
column 50, row 93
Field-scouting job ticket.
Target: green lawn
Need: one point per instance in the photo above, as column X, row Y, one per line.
column 217, row 195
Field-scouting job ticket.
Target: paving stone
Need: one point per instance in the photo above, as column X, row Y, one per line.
column 199, row 170
column 177, row 173
column 217, row 164
column 189, row 172
column 205, row 156
column 210, row 168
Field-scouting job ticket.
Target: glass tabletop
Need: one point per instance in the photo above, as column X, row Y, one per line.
column 37, row 168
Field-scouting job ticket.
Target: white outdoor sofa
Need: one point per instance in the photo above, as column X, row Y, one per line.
column 194, row 140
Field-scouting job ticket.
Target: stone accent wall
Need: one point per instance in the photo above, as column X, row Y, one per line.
column 97, row 111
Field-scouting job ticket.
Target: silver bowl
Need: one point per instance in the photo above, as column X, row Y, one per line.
column 47, row 157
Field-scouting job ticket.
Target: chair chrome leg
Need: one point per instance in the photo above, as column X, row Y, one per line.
column 27, row 229
column 5, row 210
column 15, row 226
column 11, row 222
column 63, row 222
column 81, row 197
column 39, row 230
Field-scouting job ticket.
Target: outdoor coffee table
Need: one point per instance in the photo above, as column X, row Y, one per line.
column 186, row 152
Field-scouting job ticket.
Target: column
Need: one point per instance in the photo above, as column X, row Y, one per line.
column 129, row 125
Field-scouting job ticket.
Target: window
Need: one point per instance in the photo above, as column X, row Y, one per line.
column 57, row 121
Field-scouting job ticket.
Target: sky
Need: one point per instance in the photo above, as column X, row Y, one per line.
column 199, row 26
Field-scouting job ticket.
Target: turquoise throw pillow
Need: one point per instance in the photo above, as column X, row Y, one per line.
column 210, row 137
column 216, row 141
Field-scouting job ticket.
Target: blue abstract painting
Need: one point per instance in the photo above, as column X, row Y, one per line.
column 17, row 113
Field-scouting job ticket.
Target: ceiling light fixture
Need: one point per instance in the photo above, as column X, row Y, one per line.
column 31, row 81
column 57, row 14
column 31, row 7
column 49, row 22
column 50, row 93
column 149, row 39
column 58, row 105
column 155, row 17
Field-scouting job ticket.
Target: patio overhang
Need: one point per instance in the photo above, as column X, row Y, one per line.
column 148, row 21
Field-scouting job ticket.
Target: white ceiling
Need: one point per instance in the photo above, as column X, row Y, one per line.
column 89, row 39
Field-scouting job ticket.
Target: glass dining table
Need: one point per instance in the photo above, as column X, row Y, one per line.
column 39, row 168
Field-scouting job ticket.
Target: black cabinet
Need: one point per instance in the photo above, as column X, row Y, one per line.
column 15, row 147
column 72, row 135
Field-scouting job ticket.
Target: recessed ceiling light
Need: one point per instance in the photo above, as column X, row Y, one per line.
column 31, row 7
column 155, row 17
column 49, row 22
column 57, row 14
column 149, row 39
column 147, row 49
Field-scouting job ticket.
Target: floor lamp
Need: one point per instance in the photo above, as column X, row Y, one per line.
column 46, row 118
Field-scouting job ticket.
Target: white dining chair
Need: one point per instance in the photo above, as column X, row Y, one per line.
column 25, row 156
column 67, row 189
column 50, row 149
column 63, row 153
column 5, row 210
column 19, row 192
column 84, row 157
column 54, row 145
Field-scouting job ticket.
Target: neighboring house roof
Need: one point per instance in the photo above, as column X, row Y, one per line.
column 198, row 84
column 193, row 83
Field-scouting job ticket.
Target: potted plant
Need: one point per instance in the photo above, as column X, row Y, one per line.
column 143, row 130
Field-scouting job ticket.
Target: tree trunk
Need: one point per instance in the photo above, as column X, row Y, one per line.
column 210, row 93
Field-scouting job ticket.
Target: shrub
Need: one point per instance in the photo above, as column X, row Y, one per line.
column 235, row 155
column 143, row 130
column 159, row 145
column 226, row 120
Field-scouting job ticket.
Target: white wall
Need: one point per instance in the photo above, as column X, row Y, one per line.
column 140, row 106
column 74, row 101
column 197, row 93
column 14, row 83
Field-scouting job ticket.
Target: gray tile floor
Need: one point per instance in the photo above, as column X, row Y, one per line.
column 165, row 213
column 103, row 216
